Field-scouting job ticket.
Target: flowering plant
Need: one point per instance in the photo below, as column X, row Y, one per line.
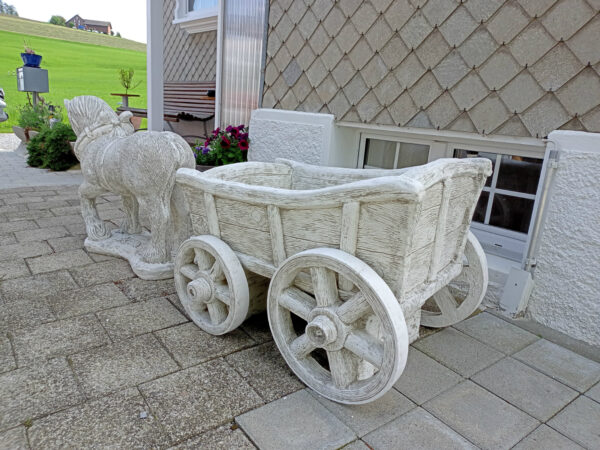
column 223, row 147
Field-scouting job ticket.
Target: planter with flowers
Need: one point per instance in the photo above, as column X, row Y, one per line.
column 223, row 147
column 30, row 58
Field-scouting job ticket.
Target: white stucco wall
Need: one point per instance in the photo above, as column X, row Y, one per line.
column 566, row 295
column 304, row 137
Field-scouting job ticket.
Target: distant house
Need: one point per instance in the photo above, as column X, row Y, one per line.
column 93, row 25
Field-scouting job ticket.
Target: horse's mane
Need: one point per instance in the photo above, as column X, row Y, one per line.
column 90, row 112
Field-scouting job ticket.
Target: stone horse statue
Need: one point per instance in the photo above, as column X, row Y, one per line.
column 138, row 166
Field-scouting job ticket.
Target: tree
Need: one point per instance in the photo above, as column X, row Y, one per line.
column 126, row 79
column 8, row 9
column 118, row 34
column 58, row 20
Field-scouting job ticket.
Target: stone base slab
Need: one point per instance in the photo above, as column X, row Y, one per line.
column 129, row 247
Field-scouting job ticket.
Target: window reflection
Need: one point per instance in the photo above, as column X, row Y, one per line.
column 512, row 213
column 197, row 5
column 519, row 174
column 394, row 155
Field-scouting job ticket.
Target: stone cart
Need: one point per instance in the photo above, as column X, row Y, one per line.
column 357, row 259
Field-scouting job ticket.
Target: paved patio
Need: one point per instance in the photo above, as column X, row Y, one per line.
column 92, row 356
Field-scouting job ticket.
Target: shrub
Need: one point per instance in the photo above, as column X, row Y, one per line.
column 224, row 147
column 51, row 149
column 34, row 117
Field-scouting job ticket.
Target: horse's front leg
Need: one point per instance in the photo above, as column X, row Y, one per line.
column 95, row 227
column 131, row 223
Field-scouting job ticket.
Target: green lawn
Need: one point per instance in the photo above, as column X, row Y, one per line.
column 74, row 68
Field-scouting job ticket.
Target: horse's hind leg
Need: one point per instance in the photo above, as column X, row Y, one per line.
column 131, row 223
column 95, row 227
column 158, row 210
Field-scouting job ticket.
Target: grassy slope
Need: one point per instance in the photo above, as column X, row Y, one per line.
column 35, row 28
column 74, row 68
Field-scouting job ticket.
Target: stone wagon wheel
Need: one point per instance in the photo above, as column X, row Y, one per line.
column 446, row 307
column 349, row 346
column 211, row 284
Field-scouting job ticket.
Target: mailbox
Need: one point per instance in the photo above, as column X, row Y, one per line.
column 32, row 79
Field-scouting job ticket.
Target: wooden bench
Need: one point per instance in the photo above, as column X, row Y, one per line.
column 184, row 101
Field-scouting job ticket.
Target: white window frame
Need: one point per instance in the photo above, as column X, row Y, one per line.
column 495, row 240
column 200, row 21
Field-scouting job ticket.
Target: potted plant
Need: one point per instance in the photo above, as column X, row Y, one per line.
column 29, row 57
column 223, row 147
column 33, row 117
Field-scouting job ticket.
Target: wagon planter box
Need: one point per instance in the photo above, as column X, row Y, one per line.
column 357, row 260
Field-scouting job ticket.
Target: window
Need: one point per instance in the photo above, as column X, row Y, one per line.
column 505, row 209
column 384, row 153
column 197, row 16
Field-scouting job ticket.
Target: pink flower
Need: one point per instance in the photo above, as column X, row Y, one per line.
column 225, row 143
column 243, row 145
column 216, row 131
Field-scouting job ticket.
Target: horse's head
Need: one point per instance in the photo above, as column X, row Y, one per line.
column 90, row 112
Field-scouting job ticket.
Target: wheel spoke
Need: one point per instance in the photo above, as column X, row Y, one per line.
column 203, row 259
column 301, row 346
column 217, row 312
column 297, row 301
column 354, row 308
column 189, row 271
column 446, row 302
column 366, row 347
column 325, row 286
column 216, row 272
column 222, row 294
column 342, row 367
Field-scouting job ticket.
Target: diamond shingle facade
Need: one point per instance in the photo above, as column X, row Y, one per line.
column 188, row 57
column 515, row 67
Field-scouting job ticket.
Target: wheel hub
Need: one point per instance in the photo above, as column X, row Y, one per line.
column 200, row 290
column 325, row 329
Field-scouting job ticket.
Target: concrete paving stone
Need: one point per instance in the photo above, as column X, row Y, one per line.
column 266, row 371
column 60, row 220
column 497, row 333
column 580, row 422
column 37, row 285
column 457, row 351
column 58, row 261
column 86, row 300
column 297, row 421
column 12, row 208
column 7, row 239
column 24, row 313
column 19, row 199
column 14, row 439
column 527, row 389
column 9, row 227
column 68, row 210
column 546, row 438
column 481, row 417
column 110, row 422
column 76, row 229
column 102, row 272
column 24, row 250
column 561, row 364
column 97, row 257
column 122, row 364
column 363, row 419
column 258, row 328
column 225, row 437
column 424, row 378
column 27, row 215
column 416, row 429
column 357, row 445
column 7, row 359
column 41, row 234
column 67, row 243
column 31, row 392
column 48, row 203
column 61, row 337
column 15, row 268
column 174, row 299
column 197, row 399
column 138, row 289
column 594, row 393
column 139, row 318
column 189, row 345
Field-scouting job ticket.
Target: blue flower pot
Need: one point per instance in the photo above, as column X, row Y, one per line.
column 31, row 60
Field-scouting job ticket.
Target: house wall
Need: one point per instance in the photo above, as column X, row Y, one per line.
column 516, row 67
column 566, row 293
column 187, row 57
